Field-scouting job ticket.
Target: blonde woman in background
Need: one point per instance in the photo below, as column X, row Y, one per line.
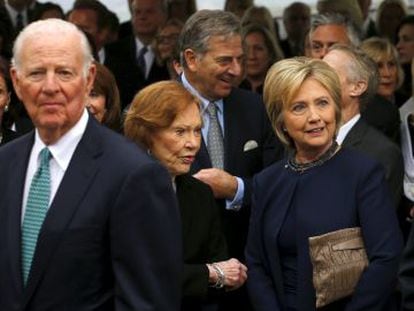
column 391, row 75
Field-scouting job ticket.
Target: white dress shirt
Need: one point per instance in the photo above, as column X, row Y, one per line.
column 149, row 56
column 62, row 152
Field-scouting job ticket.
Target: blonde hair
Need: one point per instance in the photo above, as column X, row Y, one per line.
column 283, row 81
column 381, row 49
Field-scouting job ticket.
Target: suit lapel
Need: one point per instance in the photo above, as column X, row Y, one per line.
column 76, row 181
column 230, row 120
column 355, row 135
column 202, row 159
column 19, row 164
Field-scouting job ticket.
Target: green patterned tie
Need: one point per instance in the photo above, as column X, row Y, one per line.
column 36, row 209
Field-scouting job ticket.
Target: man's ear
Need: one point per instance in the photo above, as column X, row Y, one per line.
column 16, row 81
column 358, row 88
column 90, row 77
column 191, row 59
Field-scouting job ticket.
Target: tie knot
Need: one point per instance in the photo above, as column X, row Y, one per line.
column 212, row 109
column 143, row 51
column 45, row 156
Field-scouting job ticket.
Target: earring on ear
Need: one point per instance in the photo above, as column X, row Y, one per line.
column 6, row 108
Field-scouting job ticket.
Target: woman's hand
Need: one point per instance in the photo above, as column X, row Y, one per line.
column 235, row 273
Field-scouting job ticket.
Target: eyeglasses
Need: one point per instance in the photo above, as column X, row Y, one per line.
column 167, row 38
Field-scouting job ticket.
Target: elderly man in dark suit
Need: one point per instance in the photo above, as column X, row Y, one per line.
column 359, row 81
column 237, row 137
column 132, row 59
column 91, row 224
column 331, row 28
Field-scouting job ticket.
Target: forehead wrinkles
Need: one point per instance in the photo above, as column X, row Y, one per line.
column 44, row 52
column 225, row 46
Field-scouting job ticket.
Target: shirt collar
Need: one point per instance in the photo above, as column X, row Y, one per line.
column 64, row 148
column 345, row 128
column 139, row 45
column 204, row 101
column 13, row 13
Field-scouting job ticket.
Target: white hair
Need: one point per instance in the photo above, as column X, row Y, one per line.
column 53, row 28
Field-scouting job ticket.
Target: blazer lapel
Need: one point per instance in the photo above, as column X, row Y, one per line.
column 229, row 119
column 76, row 181
column 273, row 217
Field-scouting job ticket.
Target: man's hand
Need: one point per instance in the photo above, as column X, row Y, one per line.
column 223, row 184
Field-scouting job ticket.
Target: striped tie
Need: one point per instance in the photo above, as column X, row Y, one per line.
column 36, row 209
column 215, row 143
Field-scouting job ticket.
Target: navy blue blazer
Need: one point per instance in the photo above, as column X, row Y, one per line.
column 111, row 239
column 347, row 191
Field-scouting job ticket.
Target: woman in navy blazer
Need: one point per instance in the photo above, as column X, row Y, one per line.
column 320, row 187
column 165, row 118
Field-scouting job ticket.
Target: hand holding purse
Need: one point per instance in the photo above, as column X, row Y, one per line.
column 338, row 260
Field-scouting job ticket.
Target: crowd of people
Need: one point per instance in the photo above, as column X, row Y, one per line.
column 185, row 159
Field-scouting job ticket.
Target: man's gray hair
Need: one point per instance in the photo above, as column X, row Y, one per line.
column 53, row 28
column 360, row 67
column 354, row 35
column 203, row 25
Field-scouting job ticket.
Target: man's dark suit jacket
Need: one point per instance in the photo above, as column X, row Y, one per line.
column 203, row 239
column 8, row 30
column 245, row 122
column 111, row 239
column 121, row 60
column 368, row 140
column 384, row 116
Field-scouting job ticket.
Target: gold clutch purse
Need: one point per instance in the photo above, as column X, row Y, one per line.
column 338, row 260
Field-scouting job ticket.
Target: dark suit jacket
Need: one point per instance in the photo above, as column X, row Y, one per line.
column 203, row 240
column 287, row 49
column 120, row 58
column 368, row 140
column 244, row 120
column 111, row 239
column 384, row 116
column 406, row 276
column 8, row 135
column 348, row 190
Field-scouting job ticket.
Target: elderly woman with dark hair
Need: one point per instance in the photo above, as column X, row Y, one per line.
column 104, row 101
column 165, row 119
column 262, row 52
column 319, row 188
